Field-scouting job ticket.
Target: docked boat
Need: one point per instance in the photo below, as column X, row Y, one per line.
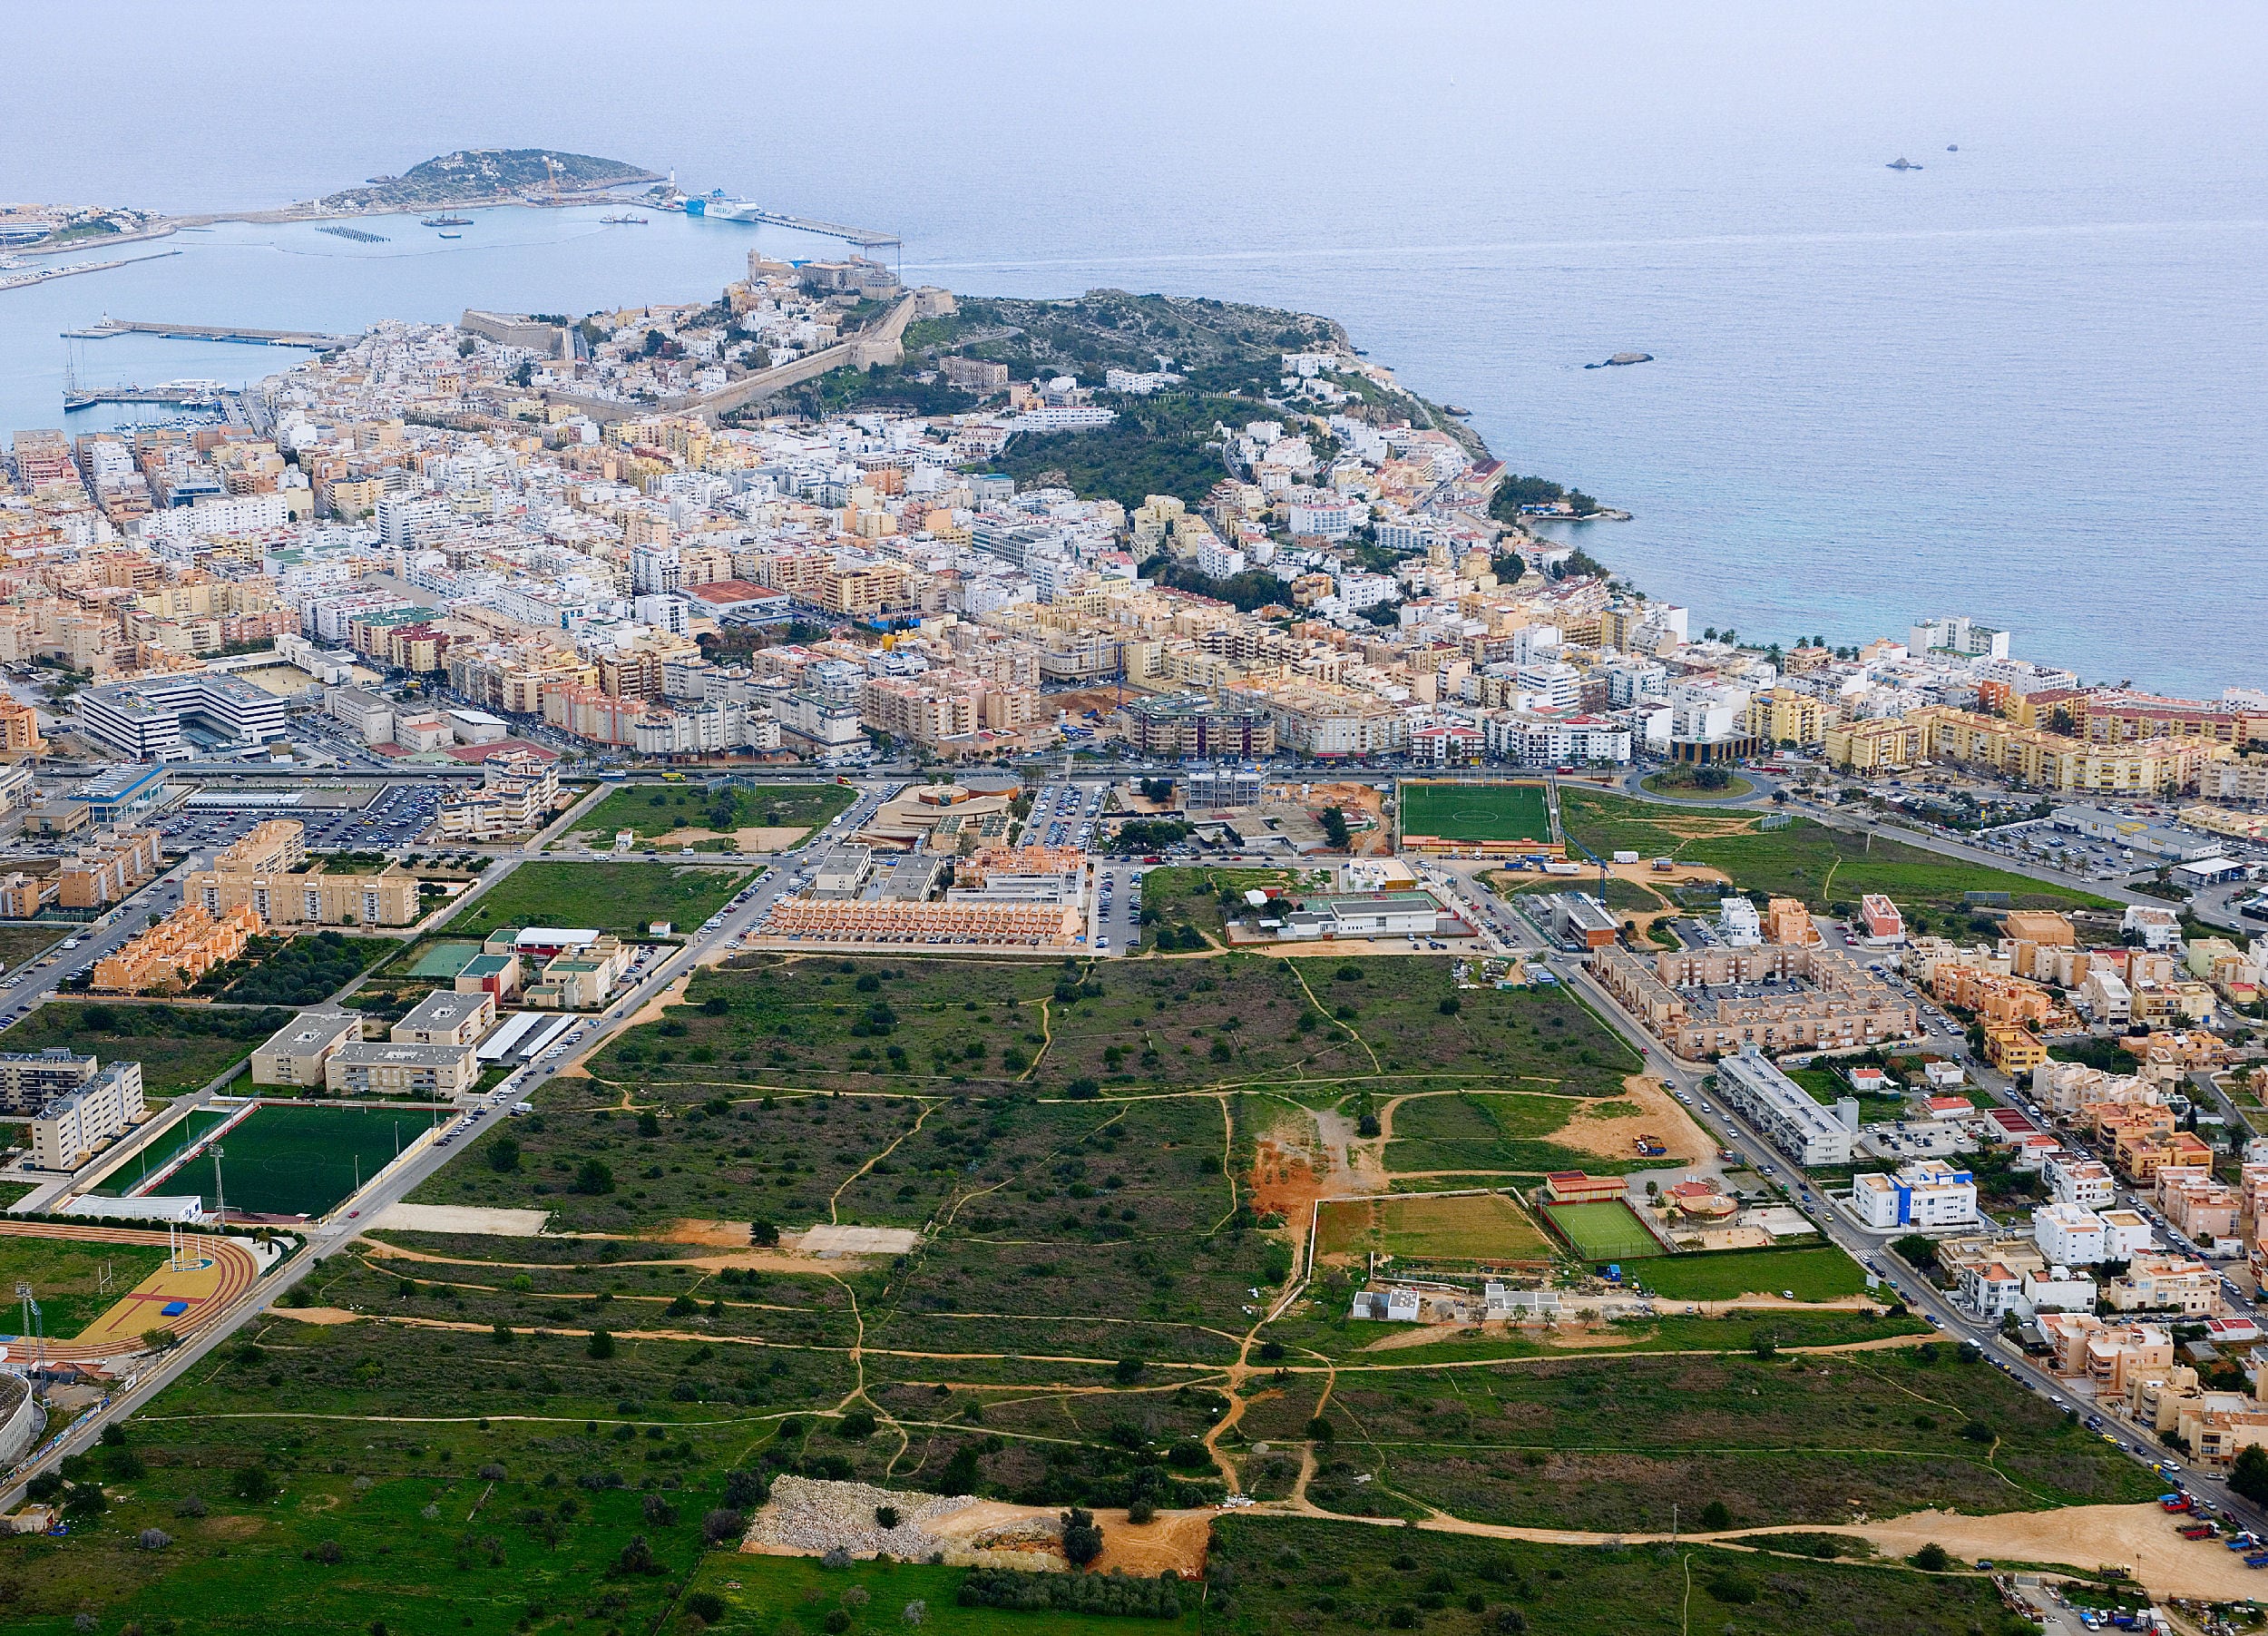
column 446, row 222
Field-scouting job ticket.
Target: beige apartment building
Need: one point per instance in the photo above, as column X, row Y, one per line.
column 297, row 1052
column 384, row 1068
column 445, row 1017
column 1839, row 1003
column 268, row 872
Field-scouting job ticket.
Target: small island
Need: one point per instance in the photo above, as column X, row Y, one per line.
column 486, row 175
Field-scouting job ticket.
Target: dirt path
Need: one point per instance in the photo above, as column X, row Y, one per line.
column 1352, row 1033
column 763, row 1260
column 2082, row 1536
column 834, row 1199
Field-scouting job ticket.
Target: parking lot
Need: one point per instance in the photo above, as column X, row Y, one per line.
column 395, row 815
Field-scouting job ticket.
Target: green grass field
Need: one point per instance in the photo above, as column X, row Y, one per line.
column 1605, row 1232
column 65, row 1277
column 622, row 898
column 302, row 1160
column 1805, row 860
column 22, row 943
column 180, row 1047
column 1486, row 1226
column 655, row 809
column 1818, row 1274
column 1475, row 812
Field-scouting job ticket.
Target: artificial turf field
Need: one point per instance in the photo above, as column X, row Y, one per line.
column 302, row 1160
column 1475, row 812
column 1605, row 1232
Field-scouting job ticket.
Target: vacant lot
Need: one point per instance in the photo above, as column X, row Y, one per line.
column 306, row 970
column 1806, row 859
column 1610, row 1443
column 22, row 943
column 1484, row 1227
column 1179, row 903
column 1478, row 1133
column 74, row 1283
column 649, row 811
column 1306, row 1575
column 622, row 898
column 1314, row 1026
column 180, row 1047
column 1475, row 812
column 1819, row 1274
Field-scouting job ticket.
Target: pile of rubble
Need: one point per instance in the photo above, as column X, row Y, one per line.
column 809, row 1517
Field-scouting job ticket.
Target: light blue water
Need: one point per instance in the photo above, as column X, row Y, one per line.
column 2025, row 382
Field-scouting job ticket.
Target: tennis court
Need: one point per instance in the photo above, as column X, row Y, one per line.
column 1475, row 812
column 444, row 959
column 1608, row 1231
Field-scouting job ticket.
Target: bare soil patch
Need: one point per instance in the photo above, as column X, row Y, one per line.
column 2084, row 1536
column 1659, row 1115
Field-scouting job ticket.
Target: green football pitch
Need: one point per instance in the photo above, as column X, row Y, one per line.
column 1605, row 1232
column 302, row 1160
column 1475, row 812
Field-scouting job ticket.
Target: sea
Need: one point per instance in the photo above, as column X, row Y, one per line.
column 2027, row 381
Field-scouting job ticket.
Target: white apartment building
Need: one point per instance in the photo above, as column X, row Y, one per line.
column 1549, row 684
column 1218, row 561
column 2069, row 1235
column 1739, row 924
column 2056, row 1289
column 2084, row 1182
column 1929, row 1194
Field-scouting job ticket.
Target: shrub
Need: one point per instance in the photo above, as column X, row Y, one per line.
column 189, row 1506
column 857, row 1426
column 1932, row 1558
column 253, row 1483
column 1728, row 1586
column 595, row 1177
column 724, row 1525
column 153, row 1539
column 1142, row 1511
column 1715, row 1516
column 601, row 1344
column 886, row 1516
column 706, row 1606
column 503, row 1154
column 1082, row 1541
